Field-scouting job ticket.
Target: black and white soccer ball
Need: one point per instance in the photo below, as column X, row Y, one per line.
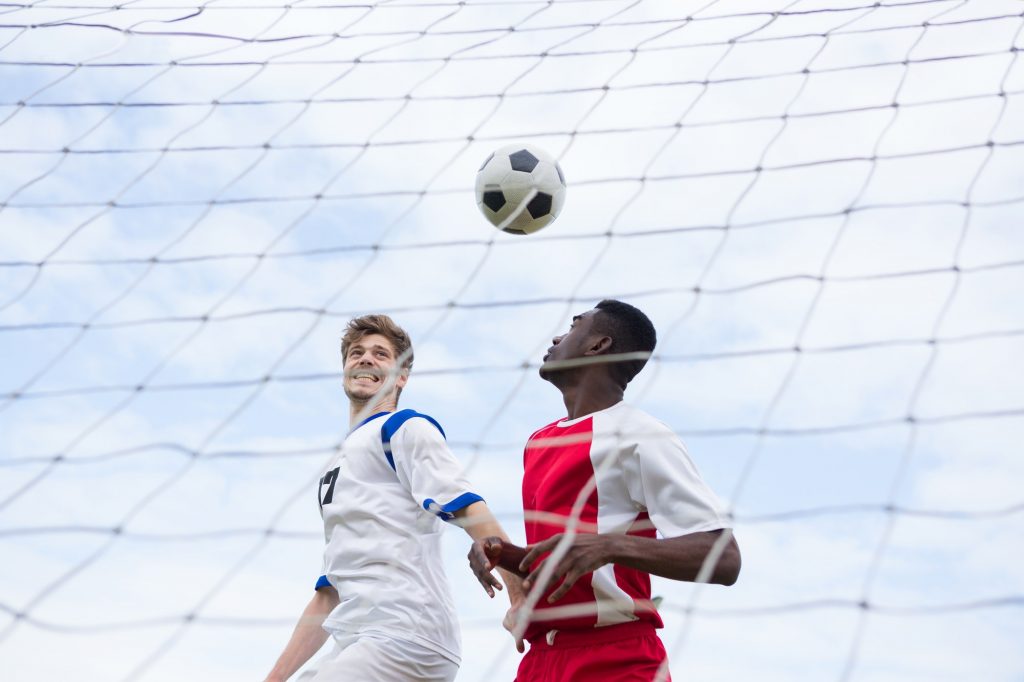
column 520, row 188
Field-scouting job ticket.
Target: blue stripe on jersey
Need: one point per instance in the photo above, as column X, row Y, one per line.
column 445, row 511
column 394, row 422
column 322, row 581
column 368, row 420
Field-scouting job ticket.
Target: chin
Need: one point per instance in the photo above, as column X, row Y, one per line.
column 361, row 395
column 548, row 374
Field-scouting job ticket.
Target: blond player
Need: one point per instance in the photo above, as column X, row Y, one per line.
column 382, row 595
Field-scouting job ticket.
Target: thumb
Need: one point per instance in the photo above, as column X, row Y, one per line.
column 492, row 548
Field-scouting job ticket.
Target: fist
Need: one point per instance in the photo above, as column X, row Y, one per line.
column 509, row 557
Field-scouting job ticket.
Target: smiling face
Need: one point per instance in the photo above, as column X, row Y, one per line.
column 368, row 363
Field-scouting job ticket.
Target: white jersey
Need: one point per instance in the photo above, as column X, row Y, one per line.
column 382, row 499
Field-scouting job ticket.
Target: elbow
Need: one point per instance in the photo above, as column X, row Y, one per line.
column 728, row 570
column 729, row 576
column 325, row 600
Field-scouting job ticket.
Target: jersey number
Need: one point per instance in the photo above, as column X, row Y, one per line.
column 329, row 479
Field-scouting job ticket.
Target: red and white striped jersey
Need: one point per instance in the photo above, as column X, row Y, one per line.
column 622, row 471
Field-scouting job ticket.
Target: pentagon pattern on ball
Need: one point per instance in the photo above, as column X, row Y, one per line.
column 523, row 161
column 540, row 205
column 520, row 188
column 494, row 199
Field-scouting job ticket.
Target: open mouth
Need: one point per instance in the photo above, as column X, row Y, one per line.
column 366, row 376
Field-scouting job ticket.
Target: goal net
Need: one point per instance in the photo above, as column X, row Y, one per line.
column 818, row 203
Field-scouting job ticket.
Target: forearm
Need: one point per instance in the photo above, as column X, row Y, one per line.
column 678, row 558
column 479, row 523
column 307, row 637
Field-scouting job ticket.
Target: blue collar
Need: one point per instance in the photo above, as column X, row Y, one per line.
column 367, row 421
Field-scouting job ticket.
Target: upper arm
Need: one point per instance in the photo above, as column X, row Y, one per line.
column 663, row 480
column 427, row 468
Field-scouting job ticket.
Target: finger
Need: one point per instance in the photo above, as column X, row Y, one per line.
column 520, row 647
column 488, row 582
column 560, row 568
column 480, row 559
column 570, row 579
column 530, row 579
column 492, row 548
column 533, row 552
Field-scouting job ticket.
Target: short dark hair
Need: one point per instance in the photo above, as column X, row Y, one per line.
column 630, row 331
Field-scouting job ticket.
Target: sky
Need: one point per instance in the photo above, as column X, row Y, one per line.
column 819, row 204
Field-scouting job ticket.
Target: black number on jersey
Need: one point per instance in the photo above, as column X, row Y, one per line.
column 329, row 479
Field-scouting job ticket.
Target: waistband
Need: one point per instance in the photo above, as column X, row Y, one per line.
column 556, row 639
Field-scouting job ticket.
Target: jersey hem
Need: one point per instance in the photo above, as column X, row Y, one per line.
column 336, row 630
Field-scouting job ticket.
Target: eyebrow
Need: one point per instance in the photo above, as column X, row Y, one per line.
column 375, row 346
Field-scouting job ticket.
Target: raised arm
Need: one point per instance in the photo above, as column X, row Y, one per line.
column 308, row 636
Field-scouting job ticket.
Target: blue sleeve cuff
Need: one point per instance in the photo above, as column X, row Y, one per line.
column 446, row 512
column 322, row 582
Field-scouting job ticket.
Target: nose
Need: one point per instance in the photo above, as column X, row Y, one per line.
column 557, row 340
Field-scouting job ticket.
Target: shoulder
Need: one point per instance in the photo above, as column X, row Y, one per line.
column 544, row 429
column 410, row 422
column 627, row 419
column 643, row 430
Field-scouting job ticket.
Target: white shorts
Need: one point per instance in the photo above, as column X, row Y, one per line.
column 370, row 657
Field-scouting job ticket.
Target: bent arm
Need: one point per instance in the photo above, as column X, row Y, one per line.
column 308, row 636
column 678, row 558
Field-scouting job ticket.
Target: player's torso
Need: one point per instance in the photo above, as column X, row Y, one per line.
column 579, row 465
column 383, row 550
column 574, row 470
column 360, row 495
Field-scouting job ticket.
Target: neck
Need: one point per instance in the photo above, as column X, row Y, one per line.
column 357, row 409
column 590, row 394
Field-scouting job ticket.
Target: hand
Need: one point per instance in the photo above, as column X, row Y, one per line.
column 483, row 557
column 509, row 623
column 587, row 553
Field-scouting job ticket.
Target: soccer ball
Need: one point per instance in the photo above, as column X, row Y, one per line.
column 520, row 188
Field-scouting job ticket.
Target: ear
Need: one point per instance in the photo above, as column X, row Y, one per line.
column 600, row 345
column 402, row 379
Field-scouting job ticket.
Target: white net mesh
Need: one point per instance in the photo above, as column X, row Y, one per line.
column 818, row 204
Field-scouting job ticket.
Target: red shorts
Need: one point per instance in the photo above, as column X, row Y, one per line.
column 630, row 652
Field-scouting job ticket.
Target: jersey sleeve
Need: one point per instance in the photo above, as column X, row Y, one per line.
column 428, row 469
column 663, row 480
